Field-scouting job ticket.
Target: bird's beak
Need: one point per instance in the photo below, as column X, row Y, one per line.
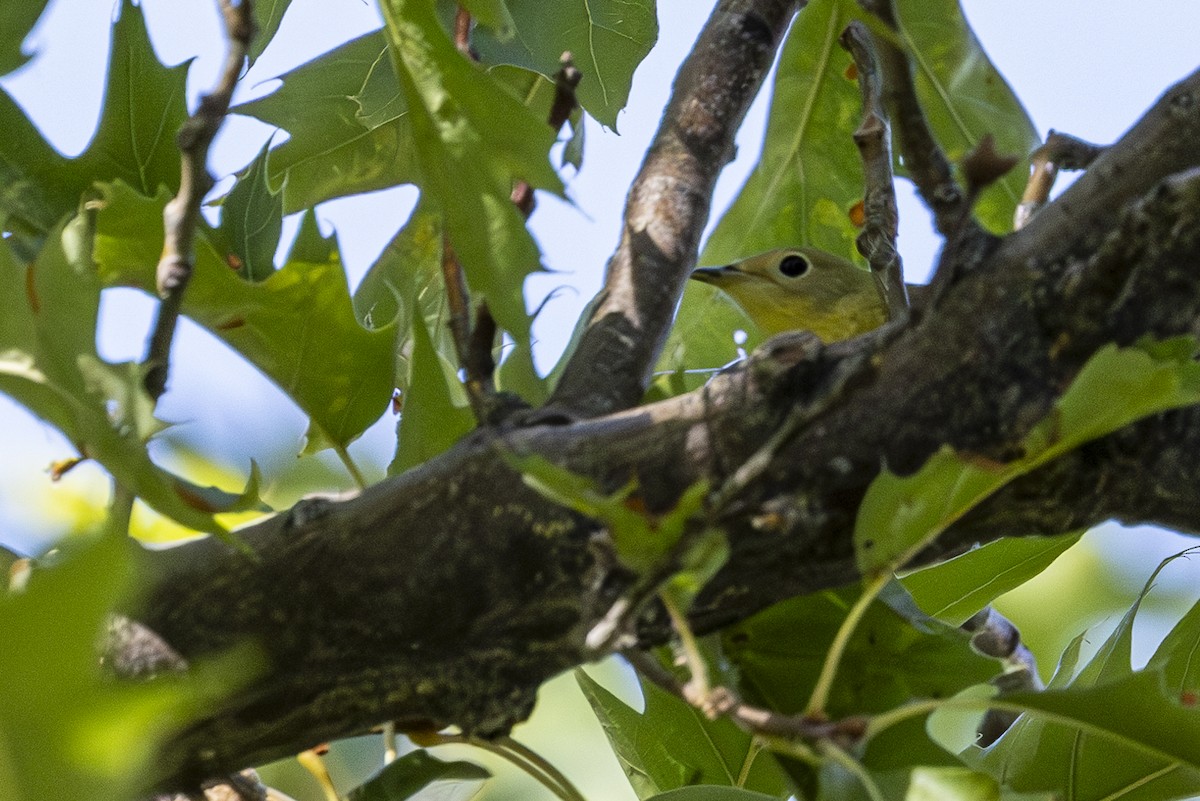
column 716, row 275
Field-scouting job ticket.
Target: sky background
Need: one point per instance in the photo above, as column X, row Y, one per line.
column 1086, row 68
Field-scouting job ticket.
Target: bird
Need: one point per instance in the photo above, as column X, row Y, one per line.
column 802, row 288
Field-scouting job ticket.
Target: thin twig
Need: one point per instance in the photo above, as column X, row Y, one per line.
column 459, row 301
column 755, row 720
column 1060, row 152
column 877, row 241
column 181, row 215
column 698, row 687
column 927, row 165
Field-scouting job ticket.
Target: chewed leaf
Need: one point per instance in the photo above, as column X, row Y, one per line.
column 298, row 325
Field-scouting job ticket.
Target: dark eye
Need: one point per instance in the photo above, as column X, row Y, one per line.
column 793, row 265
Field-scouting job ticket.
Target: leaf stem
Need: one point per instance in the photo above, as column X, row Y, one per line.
column 120, row 510
column 691, row 649
column 524, row 758
column 837, row 649
column 834, row 754
column 351, row 467
column 571, row 792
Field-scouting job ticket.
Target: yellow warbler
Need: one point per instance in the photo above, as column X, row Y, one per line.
column 801, row 288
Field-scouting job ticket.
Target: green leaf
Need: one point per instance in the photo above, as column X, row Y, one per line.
column 430, row 419
column 297, row 326
column 468, row 163
column 951, row 784
column 641, row 538
column 896, row 653
column 712, row 792
column 16, row 21
column 144, row 107
column 607, row 38
column 954, row 590
column 65, row 732
column 412, row 773
column 494, row 14
column 809, row 174
column 1109, row 732
column 407, row 272
column 135, row 143
column 965, row 98
column 1116, row 387
column 672, row 745
column 349, row 134
column 252, row 220
column 49, row 364
column 267, row 16
column 1127, row 738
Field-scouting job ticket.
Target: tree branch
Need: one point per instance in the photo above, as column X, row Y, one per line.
column 448, row 594
column 668, row 206
column 182, row 214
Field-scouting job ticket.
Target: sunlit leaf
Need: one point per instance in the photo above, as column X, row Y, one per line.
column 672, row 745
column 966, row 98
column 297, row 326
column 1105, row 730
column 954, row 590
column 267, row 16
column 135, row 143
column 49, row 364
column 468, row 163
column 349, row 133
column 1115, row 387
column 433, row 412
column 65, row 732
column 251, row 222
column 412, row 773
column 809, row 174
column 607, row 39
column 16, row 20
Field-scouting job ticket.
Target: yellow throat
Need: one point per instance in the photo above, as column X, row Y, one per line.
column 801, row 288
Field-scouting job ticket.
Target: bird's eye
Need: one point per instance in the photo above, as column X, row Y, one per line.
column 794, row 265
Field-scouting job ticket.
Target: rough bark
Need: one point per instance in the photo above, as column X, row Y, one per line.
column 448, row 594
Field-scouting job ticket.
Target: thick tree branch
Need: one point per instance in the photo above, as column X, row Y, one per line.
column 668, row 206
column 447, row 594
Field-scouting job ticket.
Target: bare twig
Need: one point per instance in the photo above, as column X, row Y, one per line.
column 1060, row 152
column 459, row 301
column 182, row 213
column 877, row 241
column 668, row 206
column 927, row 165
column 723, row 702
